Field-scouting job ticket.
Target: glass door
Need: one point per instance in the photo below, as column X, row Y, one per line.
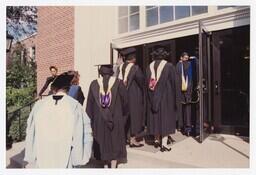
column 231, row 53
column 204, row 82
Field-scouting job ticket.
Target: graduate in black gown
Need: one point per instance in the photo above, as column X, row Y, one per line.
column 161, row 89
column 133, row 79
column 107, row 106
column 185, row 81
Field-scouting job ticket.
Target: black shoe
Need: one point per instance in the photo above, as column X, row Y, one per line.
column 163, row 149
column 136, row 146
column 188, row 134
column 156, row 144
column 188, row 131
column 170, row 140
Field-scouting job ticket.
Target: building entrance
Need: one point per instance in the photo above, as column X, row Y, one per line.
column 224, row 77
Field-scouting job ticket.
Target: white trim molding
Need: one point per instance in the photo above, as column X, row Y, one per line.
column 219, row 20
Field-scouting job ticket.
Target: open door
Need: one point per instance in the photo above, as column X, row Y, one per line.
column 204, row 82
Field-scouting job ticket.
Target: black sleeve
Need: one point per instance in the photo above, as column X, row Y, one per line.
column 90, row 103
column 139, row 78
column 124, row 98
column 117, row 71
column 46, row 84
column 80, row 96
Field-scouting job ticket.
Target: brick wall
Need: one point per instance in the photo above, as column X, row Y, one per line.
column 55, row 41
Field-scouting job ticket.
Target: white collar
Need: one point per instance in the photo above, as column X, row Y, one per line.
column 159, row 69
column 110, row 84
column 60, row 93
column 126, row 72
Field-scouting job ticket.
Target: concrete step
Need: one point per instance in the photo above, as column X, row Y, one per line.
column 217, row 151
column 15, row 156
column 141, row 160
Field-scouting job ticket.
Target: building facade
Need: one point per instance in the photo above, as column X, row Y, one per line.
column 29, row 51
column 81, row 37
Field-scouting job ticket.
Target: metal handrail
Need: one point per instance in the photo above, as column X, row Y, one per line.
column 193, row 101
column 33, row 101
column 16, row 114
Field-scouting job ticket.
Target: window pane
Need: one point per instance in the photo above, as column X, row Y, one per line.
column 134, row 9
column 148, row 7
column 123, row 25
column 152, row 17
column 222, row 7
column 123, row 11
column 199, row 10
column 182, row 12
column 134, row 22
column 166, row 13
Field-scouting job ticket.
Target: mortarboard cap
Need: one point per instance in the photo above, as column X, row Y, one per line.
column 128, row 53
column 105, row 69
column 62, row 81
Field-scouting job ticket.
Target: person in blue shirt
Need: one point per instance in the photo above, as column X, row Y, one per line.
column 75, row 90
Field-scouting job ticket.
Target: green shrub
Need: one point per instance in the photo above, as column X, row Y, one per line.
column 19, row 97
column 14, row 130
column 20, row 90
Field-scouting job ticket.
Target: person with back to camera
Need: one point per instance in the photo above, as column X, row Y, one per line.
column 58, row 133
column 161, row 98
column 133, row 79
column 107, row 106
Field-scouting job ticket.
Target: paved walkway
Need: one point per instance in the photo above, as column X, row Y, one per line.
column 217, row 151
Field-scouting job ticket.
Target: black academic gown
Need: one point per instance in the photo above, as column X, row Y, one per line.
column 46, row 84
column 161, row 103
column 135, row 85
column 108, row 124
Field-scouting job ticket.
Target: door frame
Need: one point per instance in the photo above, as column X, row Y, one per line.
column 204, row 84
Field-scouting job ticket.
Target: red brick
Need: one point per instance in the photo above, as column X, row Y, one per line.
column 55, row 41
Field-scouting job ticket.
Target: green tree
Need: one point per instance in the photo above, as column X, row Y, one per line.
column 21, row 22
column 20, row 78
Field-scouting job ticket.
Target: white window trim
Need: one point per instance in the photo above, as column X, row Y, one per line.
column 142, row 18
column 128, row 16
column 185, row 26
